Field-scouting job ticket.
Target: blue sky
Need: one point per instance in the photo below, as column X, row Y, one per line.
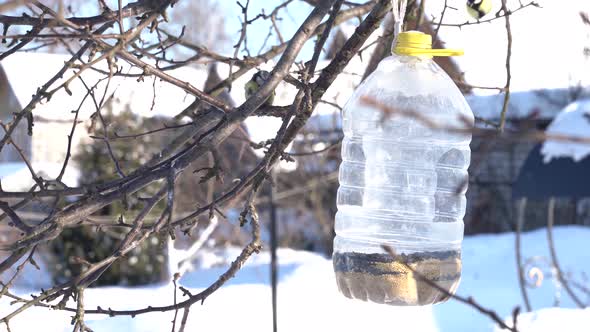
column 292, row 17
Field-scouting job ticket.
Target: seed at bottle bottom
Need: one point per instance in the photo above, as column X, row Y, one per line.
column 398, row 280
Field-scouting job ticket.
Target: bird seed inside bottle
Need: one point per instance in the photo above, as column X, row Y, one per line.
column 399, row 279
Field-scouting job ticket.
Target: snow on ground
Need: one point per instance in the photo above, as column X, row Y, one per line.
column 553, row 319
column 309, row 301
column 573, row 121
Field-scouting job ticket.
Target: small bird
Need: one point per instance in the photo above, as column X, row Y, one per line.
column 479, row 8
column 255, row 83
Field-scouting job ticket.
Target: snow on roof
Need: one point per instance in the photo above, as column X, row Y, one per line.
column 27, row 72
column 15, row 176
column 547, row 50
column 538, row 104
column 573, row 121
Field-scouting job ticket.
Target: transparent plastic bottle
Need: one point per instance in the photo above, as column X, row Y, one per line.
column 403, row 180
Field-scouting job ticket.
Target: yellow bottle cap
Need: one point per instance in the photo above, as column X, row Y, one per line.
column 416, row 43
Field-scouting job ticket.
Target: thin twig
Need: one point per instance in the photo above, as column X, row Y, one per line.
column 16, row 220
column 470, row 301
column 517, row 250
column 442, row 16
column 554, row 260
column 498, row 16
column 508, row 72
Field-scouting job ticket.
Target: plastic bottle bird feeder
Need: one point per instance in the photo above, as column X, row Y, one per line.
column 403, row 180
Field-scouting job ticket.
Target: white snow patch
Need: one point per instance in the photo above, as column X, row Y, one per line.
column 534, row 104
column 573, row 121
column 552, row 319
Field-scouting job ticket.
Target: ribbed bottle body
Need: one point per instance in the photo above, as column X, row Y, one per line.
column 402, row 180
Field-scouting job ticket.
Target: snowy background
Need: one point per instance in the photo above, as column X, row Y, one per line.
column 308, row 299
column 543, row 58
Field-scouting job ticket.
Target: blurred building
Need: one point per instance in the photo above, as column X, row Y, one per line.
column 9, row 106
column 495, row 163
column 21, row 74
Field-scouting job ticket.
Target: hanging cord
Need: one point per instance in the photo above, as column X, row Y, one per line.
column 398, row 7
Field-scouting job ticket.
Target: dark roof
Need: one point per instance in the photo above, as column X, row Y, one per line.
column 561, row 177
